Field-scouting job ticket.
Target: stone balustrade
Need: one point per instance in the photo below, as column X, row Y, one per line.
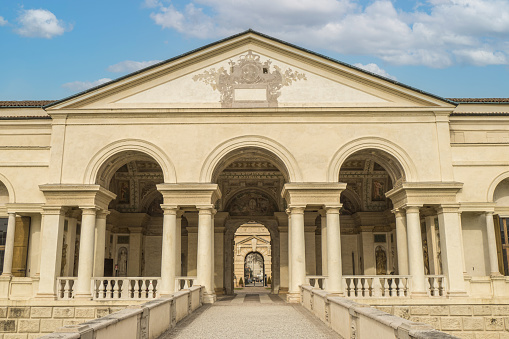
column 184, row 283
column 125, row 288
column 149, row 320
column 352, row 320
column 65, row 287
column 317, row 281
column 376, row 286
column 436, row 285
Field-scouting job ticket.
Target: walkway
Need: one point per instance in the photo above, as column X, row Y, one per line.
column 251, row 313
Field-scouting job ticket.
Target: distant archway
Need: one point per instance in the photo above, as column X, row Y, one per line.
column 254, row 269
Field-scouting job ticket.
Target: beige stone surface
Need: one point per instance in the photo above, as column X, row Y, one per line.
column 15, row 336
column 451, row 324
column 460, row 310
column 19, row 312
column 63, row 312
column 419, row 310
column 40, row 312
column 28, row 325
column 494, row 323
column 433, row 321
column 482, row 309
column 439, row 310
column 473, row 323
column 8, row 325
column 402, row 311
column 50, row 325
column 84, row 312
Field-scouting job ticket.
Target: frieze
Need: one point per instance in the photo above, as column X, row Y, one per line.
column 260, row 82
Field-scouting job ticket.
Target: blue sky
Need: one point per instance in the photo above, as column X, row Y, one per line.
column 452, row 48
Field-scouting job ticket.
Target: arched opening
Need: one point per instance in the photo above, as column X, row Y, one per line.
column 368, row 237
column 4, row 199
column 251, row 180
column 252, row 237
column 254, row 270
column 501, row 222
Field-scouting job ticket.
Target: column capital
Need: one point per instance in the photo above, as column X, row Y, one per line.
column 412, row 208
column 399, row 212
column 102, row 214
column 88, row 210
column 449, row 208
column 489, row 213
column 333, row 209
column 296, row 209
column 53, row 210
column 205, row 209
column 169, row 209
column 322, row 212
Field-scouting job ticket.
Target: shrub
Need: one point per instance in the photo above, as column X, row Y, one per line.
column 269, row 281
column 241, row 282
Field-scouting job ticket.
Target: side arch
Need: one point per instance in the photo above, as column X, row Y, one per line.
column 137, row 145
column 253, row 141
column 408, row 167
column 493, row 186
column 10, row 188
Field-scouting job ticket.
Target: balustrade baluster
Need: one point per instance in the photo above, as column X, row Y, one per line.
column 136, row 290
column 109, row 290
column 101, row 289
column 150, row 289
column 67, row 289
column 378, row 289
column 436, row 291
column 116, row 289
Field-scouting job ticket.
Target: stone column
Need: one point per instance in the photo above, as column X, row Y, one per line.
column 334, row 267
column 212, row 249
column 35, row 241
column 86, row 255
column 9, row 245
column 401, row 239
column 492, row 244
column 100, row 243
column 51, row 250
column 415, row 257
column 168, row 255
column 178, row 245
column 298, row 253
column 323, row 235
column 431, row 241
column 204, row 261
column 289, row 249
column 71, row 245
column 452, row 255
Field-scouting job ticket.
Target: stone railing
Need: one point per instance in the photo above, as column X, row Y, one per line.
column 184, row 283
column 436, row 285
column 149, row 320
column 317, row 281
column 65, row 287
column 125, row 288
column 352, row 320
column 376, row 286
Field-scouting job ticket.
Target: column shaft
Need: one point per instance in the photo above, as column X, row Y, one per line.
column 178, row 246
column 35, row 242
column 415, row 257
column 204, row 261
column 51, row 250
column 86, row 255
column 9, row 244
column 334, row 267
column 401, row 238
column 452, row 255
column 168, row 255
column 100, row 243
column 298, row 250
column 323, row 234
column 212, row 250
column 492, row 244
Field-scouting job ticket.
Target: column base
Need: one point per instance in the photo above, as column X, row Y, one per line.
column 209, row 298
column 293, row 297
column 457, row 294
column 418, row 294
column 495, row 274
column 46, row 296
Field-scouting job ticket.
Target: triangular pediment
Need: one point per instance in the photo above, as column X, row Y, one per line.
column 248, row 240
column 249, row 70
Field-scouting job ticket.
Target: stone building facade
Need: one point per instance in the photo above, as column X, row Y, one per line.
column 367, row 187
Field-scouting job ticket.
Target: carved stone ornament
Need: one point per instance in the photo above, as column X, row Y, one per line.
column 249, row 82
column 252, row 204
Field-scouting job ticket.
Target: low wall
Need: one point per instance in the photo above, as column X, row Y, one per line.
column 145, row 321
column 460, row 318
column 353, row 320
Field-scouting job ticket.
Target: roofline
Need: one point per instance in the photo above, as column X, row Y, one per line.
column 236, row 36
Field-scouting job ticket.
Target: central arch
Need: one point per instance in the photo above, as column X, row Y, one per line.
column 228, row 150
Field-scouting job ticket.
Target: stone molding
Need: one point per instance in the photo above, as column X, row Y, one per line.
column 190, row 194
column 313, row 193
column 77, row 195
column 424, row 193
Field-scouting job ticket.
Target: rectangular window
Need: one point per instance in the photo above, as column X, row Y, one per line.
column 380, row 238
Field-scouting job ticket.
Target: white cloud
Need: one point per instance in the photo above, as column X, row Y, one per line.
column 129, row 66
column 3, row 22
column 436, row 33
column 374, row 68
column 79, row 86
column 40, row 23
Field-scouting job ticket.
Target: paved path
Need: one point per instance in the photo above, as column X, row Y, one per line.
column 251, row 313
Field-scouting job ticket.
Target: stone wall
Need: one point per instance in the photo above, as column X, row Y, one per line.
column 469, row 321
column 25, row 322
